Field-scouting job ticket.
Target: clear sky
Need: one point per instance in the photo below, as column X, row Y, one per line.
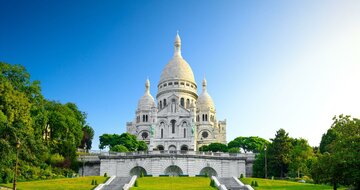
column 268, row 64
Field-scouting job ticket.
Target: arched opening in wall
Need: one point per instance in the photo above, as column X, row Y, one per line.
column 143, row 118
column 144, row 135
column 146, row 118
column 206, row 117
column 172, row 148
column 160, row 104
column 184, row 132
column 160, row 147
column 164, row 102
column 173, row 126
column 203, row 117
column 137, row 170
column 208, row 171
column 184, row 148
column 162, row 133
column 187, row 103
column 173, row 171
column 182, row 102
column 198, row 118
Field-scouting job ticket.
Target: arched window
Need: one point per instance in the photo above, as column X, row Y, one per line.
column 146, row 118
column 187, row 103
column 143, row 118
column 162, row 133
column 182, row 102
column 206, row 118
column 198, row 118
column 160, row 104
column 173, row 126
column 164, row 102
column 184, row 132
column 203, row 117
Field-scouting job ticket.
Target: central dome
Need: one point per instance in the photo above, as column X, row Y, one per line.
column 177, row 68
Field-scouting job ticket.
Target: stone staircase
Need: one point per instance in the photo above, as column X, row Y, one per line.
column 117, row 183
column 230, row 183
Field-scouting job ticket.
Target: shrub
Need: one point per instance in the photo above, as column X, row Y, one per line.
column 105, row 174
column 96, row 182
column 241, row 176
column 212, row 183
column 56, row 159
column 256, row 184
column 92, row 182
column 142, row 174
column 206, row 174
column 252, row 184
column 136, row 183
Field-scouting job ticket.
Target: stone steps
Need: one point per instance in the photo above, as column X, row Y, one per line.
column 230, row 183
column 117, row 183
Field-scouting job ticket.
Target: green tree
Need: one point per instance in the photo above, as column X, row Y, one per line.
column 300, row 155
column 248, row 144
column 340, row 163
column 279, row 153
column 217, row 147
column 119, row 148
column 126, row 139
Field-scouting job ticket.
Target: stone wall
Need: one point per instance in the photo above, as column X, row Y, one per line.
column 190, row 164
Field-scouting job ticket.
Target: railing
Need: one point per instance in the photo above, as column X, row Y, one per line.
column 168, row 152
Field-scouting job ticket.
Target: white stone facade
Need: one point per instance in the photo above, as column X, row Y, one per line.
column 180, row 119
column 191, row 164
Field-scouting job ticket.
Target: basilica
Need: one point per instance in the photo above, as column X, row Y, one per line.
column 180, row 119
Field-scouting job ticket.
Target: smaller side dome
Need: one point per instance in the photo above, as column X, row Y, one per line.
column 146, row 102
column 205, row 102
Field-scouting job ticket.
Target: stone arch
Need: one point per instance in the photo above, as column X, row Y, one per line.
column 160, row 147
column 184, row 147
column 208, row 171
column 138, row 170
column 172, row 148
column 173, row 170
column 204, row 136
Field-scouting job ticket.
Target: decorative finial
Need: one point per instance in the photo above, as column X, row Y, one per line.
column 147, row 86
column 204, row 83
column 177, row 45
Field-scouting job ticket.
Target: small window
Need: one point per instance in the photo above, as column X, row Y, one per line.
column 192, row 86
column 173, row 126
column 176, row 83
column 182, row 102
column 205, row 134
column 160, row 86
column 144, row 135
column 164, row 102
column 184, row 132
column 170, row 83
column 162, row 133
column 182, row 83
column 187, row 84
column 165, row 85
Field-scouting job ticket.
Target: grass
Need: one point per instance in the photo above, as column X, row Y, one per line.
column 80, row 183
column 173, row 183
column 285, row 185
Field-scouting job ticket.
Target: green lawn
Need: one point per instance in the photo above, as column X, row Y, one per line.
column 173, row 183
column 80, row 183
column 285, row 185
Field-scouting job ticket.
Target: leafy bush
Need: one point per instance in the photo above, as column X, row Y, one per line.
column 105, row 174
column 56, row 159
column 136, row 183
column 252, row 184
column 92, row 182
column 241, row 176
column 256, row 184
column 212, row 183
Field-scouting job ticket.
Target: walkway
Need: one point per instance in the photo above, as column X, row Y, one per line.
column 230, row 183
column 117, row 183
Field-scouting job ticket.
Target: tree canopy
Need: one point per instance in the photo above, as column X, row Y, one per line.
column 126, row 139
column 43, row 127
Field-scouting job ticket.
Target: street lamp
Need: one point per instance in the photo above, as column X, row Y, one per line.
column 265, row 162
column 18, row 145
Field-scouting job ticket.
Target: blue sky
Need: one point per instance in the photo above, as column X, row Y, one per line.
column 269, row 64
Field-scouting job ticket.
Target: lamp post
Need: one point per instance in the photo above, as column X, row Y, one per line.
column 18, row 144
column 265, row 162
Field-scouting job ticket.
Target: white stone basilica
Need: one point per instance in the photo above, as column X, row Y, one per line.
column 181, row 119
